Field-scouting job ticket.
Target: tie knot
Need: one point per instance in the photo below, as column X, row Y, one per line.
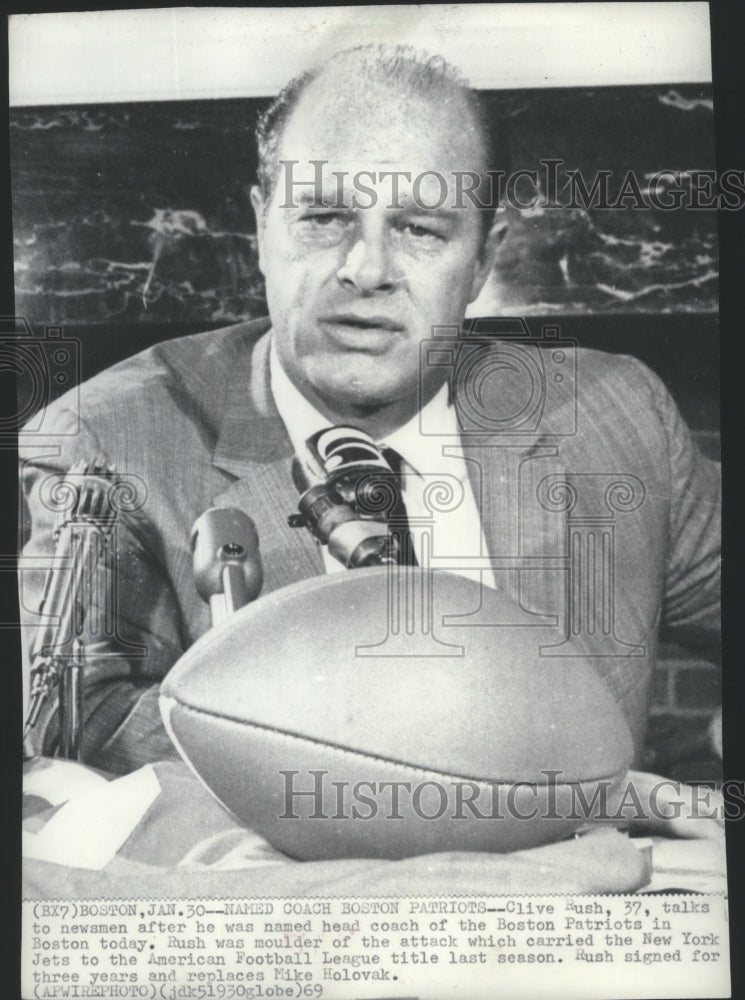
column 396, row 461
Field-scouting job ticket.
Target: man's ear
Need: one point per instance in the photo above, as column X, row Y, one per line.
column 259, row 207
column 487, row 257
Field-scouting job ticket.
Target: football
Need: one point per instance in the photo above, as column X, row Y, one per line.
column 387, row 712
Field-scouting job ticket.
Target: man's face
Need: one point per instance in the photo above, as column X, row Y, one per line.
column 356, row 280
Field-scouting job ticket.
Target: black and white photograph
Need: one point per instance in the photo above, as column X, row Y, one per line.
column 368, row 422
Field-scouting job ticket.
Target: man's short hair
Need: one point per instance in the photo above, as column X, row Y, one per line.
column 424, row 75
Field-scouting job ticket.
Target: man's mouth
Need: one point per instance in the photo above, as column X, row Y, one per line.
column 361, row 321
column 373, row 333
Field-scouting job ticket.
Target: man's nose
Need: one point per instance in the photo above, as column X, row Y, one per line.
column 368, row 266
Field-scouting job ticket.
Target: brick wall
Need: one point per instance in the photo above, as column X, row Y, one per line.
column 686, row 692
column 685, row 686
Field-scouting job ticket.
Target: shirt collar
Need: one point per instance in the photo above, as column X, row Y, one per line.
column 300, row 417
column 420, row 440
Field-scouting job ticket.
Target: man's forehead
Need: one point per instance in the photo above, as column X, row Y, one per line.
column 336, row 174
column 383, row 124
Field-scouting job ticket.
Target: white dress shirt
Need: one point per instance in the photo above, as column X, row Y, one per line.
column 450, row 518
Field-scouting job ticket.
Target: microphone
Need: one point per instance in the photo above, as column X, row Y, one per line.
column 348, row 491
column 227, row 566
column 57, row 651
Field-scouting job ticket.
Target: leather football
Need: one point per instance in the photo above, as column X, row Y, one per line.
column 387, row 712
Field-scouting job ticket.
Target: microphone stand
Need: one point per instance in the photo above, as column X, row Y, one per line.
column 58, row 652
column 71, row 703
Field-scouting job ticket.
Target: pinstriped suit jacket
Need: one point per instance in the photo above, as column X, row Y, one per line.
column 195, row 420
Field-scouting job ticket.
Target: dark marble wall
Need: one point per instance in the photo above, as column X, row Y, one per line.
column 140, row 214
column 628, row 259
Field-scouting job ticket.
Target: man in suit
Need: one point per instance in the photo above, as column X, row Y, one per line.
column 356, row 283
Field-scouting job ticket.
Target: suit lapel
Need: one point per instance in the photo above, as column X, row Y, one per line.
column 504, row 475
column 501, row 457
column 253, row 446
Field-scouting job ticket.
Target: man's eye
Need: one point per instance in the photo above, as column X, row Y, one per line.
column 422, row 232
column 322, row 219
column 322, row 226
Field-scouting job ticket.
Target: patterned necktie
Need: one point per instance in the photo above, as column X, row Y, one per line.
column 398, row 520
